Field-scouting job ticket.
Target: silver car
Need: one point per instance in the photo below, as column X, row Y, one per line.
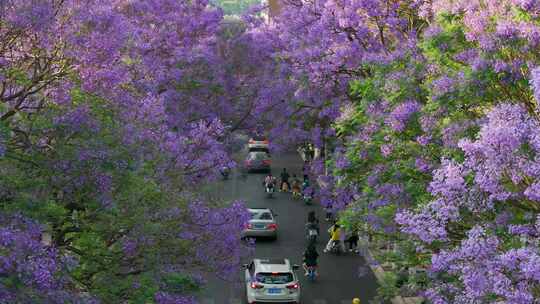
column 272, row 280
column 262, row 224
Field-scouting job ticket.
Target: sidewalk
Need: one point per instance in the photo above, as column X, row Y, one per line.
column 378, row 271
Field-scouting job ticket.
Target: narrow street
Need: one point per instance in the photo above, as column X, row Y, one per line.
column 341, row 277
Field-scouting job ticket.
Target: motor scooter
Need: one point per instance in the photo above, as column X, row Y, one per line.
column 308, row 199
column 311, row 273
column 269, row 190
column 311, row 235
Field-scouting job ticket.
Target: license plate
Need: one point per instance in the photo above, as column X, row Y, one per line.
column 274, row 290
column 259, row 226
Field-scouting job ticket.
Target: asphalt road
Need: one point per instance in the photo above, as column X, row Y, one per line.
column 341, row 277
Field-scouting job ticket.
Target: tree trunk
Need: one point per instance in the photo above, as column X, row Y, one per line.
column 274, row 7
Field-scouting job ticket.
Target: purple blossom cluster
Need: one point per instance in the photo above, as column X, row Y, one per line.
column 217, row 233
column 535, row 82
column 422, row 165
column 401, row 114
column 26, row 259
column 423, row 139
column 386, row 150
column 452, row 133
column 496, row 158
column 443, row 85
column 342, row 161
column 509, row 275
column 499, row 151
column 78, row 120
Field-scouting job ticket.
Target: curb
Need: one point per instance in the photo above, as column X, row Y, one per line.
column 378, row 271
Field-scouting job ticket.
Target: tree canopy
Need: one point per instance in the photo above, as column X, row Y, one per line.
column 112, row 112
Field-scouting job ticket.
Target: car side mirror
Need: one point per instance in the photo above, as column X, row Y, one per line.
column 295, row 267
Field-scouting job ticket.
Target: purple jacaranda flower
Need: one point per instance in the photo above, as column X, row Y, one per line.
column 423, row 139
column 397, row 119
column 387, row 149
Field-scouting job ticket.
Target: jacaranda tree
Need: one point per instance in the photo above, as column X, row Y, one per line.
column 110, row 112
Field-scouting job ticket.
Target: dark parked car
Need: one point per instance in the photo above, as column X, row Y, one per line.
column 258, row 161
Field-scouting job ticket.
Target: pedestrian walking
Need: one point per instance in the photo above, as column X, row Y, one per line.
column 285, row 186
column 310, row 153
column 302, row 151
column 335, row 236
column 328, row 209
column 342, row 238
column 353, row 239
column 305, row 168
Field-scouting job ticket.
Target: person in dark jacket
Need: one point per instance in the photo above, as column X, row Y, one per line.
column 310, row 259
column 312, row 221
column 353, row 239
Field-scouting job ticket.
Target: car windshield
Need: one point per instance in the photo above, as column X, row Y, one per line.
column 258, row 138
column 258, row 149
column 258, row 156
column 274, row 278
column 261, row 216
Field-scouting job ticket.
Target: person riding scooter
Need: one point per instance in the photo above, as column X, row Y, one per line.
column 305, row 183
column 312, row 218
column 295, row 187
column 284, row 186
column 312, row 228
column 308, row 195
column 312, row 232
column 310, row 260
column 307, row 191
column 269, row 183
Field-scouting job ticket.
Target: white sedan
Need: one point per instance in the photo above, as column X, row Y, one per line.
column 272, row 280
